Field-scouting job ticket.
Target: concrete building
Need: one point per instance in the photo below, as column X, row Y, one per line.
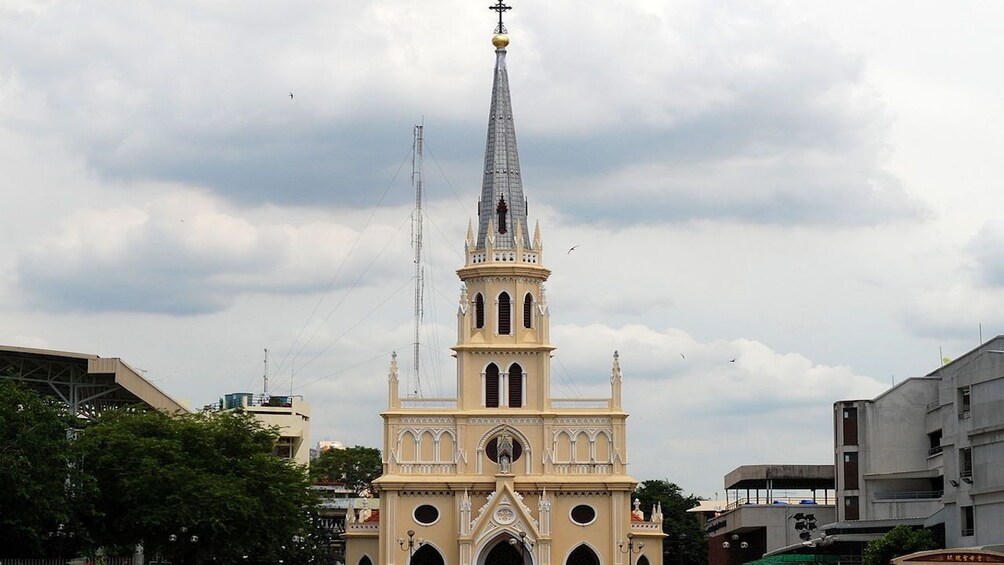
column 503, row 473
column 770, row 508
column 290, row 414
column 928, row 452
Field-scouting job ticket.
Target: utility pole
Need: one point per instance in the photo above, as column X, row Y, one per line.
column 416, row 242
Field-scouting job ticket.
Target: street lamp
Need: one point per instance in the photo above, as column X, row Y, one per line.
column 524, row 545
column 632, row 547
column 681, row 541
column 182, row 548
column 411, row 544
column 735, row 537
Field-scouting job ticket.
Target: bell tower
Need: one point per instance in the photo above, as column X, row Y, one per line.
column 504, row 473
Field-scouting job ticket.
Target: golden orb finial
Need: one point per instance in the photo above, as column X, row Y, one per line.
column 500, row 40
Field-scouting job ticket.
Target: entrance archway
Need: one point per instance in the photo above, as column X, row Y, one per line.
column 504, row 553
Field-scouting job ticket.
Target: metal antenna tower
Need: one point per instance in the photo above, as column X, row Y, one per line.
column 416, row 242
column 264, row 391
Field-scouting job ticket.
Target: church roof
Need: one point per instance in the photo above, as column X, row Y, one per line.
column 502, row 187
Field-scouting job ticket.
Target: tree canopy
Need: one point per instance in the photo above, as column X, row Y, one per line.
column 209, row 475
column 901, row 540
column 39, row 484
column 357, row 467
column 685, row 541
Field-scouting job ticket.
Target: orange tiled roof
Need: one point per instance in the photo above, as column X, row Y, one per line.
column 374, row 516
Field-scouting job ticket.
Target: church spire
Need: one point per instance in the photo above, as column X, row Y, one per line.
column 502, row 209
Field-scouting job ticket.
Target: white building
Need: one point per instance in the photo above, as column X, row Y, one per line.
column 929, row 451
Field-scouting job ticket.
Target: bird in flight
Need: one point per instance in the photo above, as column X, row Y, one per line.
column 572, row 248
column 290, row 95
column 733, row 360
column 683, row 356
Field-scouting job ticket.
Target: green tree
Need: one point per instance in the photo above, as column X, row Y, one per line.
column 194, row 487
column 901, row 540
column 685, row 541
column 40, row 486
column 357, row 467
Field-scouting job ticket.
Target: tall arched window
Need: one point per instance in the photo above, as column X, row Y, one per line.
column 528, row 311
column 479, row 311
column 365, row 560
column 515, row 386
column 642, row 560
column 492, row 386
column 505, row 314
column 427, row 555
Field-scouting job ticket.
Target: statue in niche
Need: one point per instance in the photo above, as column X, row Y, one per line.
column 502, row 209
column 505, row 454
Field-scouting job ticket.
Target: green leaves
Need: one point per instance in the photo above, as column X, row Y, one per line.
column 685, row 541
column 357, row 467
column 901, row 540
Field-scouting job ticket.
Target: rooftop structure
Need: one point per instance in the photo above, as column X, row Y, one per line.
column 86, row 383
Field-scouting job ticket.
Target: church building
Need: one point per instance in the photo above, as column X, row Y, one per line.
column 504, row 474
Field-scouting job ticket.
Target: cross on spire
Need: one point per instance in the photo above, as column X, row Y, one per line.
column 500, row 8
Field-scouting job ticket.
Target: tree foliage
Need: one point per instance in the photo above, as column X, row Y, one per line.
column 208, row 475
column 357, row 467
column 685, row 541
column 39, row 482
column 901, row 540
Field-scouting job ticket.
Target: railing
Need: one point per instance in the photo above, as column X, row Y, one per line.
column 908, row 495
column 579, row 403
column 428, row 403
column 583, row 468
column 428, row 468
column 934, row 451
column 774, row 501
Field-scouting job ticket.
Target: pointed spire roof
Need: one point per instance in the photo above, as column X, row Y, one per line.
column 503, row 207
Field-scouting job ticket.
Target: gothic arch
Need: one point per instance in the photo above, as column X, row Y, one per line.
column 528, row 311
column 604, row 447
column 498, row 551
column 517, row 390
column 492, row 386
column 365, row 560
column 479, row 311
column 407, row 446
column 428, row 554
column 518, row 435
column 504, row 318
column 426, row 447
column 583, row 446
column 562, row 446
column 642, row 560
column 583, row 554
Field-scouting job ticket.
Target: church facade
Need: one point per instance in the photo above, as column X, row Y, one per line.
column 503, row 473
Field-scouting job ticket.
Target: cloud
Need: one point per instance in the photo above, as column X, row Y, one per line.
column 645, row 113
column 987, row 250
column 189, row 253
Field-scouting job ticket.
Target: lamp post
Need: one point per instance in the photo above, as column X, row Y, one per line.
column 181, row 541
column 62, row 537
column 411, row 544
column 632, row 548
column 524, row 546
column 741, row 546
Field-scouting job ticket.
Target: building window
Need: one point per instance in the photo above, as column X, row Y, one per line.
column 528, row 311
column 851, row 470
column 965, row 402
column 426, row 514
column 479, row 311
column 492, row 386
column 515, row 386
column 934, row 439
column 967, row 520
column 583, row 514
column 851, row 511
column 850, row 426
column 966, row 462
column 505, row 314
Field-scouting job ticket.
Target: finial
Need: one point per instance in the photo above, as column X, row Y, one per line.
column 500, row 40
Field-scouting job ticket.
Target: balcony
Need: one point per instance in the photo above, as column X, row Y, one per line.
column 908, row 495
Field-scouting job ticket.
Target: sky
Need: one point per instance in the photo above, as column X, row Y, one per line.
column 809, row 188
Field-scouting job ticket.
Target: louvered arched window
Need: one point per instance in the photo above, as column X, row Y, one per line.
column 528, row 311
column 479, row 311
column 515, row 386
column 492, row 386
column 505, row 314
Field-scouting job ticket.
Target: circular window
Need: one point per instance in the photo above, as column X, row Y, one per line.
column 492, row 450
column 426, row 514
column 583, row 514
